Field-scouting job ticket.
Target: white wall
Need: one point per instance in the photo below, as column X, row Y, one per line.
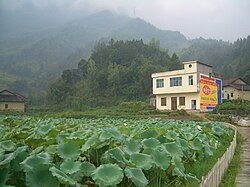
column 188, row 98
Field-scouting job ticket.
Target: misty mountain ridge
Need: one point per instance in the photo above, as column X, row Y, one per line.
column 54, row 45
column 35, row 59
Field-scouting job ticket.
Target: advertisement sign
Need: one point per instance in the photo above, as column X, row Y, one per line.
column 210, row 92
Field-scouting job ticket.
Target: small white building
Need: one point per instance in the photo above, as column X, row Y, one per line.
column 236, row 89
column 191, row 88
column 11, row 101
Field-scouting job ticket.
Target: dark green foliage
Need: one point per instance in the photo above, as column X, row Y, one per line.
column 31, row 62
column 238, row 106
column 108, row 151
column 38, row 58
column 115, row 72
column 229, row 59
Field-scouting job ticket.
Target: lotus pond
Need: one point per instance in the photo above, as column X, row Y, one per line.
column 52, row 152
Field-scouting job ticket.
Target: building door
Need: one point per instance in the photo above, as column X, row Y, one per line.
column 193, row 104
column 173, row 103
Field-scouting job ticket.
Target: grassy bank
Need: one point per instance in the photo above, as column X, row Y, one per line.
column 234, row 166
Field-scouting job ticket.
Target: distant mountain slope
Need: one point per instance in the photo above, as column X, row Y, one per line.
column 139, row 29
column 45, row 54
column 210, row 51
column 229, row 59
column 35, row 59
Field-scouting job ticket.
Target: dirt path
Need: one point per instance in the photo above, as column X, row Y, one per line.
column 243, row 178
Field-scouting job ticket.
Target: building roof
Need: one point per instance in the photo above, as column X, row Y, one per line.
column 236, row 83
column 8, row 96
column 233, row 81
column 194, row 61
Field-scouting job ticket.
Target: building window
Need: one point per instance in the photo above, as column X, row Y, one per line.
column 163, row 101
column 6, row 106
column 232, row 94
column 175, row 81
column 190, row 80
column 159, row 83
column 181, row 100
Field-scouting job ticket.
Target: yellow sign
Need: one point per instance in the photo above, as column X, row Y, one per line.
column 208, row 93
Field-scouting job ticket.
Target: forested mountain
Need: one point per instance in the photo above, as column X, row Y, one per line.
column 229, row 59
column 115, row 72
column 31, row 62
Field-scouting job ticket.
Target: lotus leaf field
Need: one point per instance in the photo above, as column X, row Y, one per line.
column 52, row 152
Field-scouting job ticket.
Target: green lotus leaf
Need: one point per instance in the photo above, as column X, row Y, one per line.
column 150, row 133
column 107, row 175
column 185, row 147
column 45, row 156
column 20, row 149
column 117, row 154
column 141, row 160
column 4, row 176
column 88, row 168
column 150, row 143
column 197, row 144
column 208, row 151
column 191, row 178
column 132, row 146
column 70, row 166
column 2, row 132
column 137, row 176
column 178, row 166
column 78, row 176
column 40, row 176
column 68, row 150
column 33, row 160
column 124, row 130
column 62, row 176
column 111, row 133
column 44, row 129
column 20, row 157
column 218, row 131
column 135, row 132
column 7, row 158
column 51, row 149
column 188, row 136
column 21, row 135
column 172, row 135
column 174, row 149
column 77, row 135
column 184, row 144
column 102, row 144
column 161, row 158
column 2, row 152
column 90, row 142
column 37, row 150
column 61, row 137
column 8, row 145
column 203, row 137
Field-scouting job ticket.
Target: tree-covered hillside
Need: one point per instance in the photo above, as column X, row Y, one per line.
column 229, row 59
column 115, row 72
column 32, row 61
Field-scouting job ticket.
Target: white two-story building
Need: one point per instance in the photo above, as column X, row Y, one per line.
column 191, row 88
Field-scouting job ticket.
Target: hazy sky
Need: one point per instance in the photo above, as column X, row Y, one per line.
column 217, row 19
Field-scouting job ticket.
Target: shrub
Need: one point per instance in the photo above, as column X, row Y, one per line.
column 135, row 106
